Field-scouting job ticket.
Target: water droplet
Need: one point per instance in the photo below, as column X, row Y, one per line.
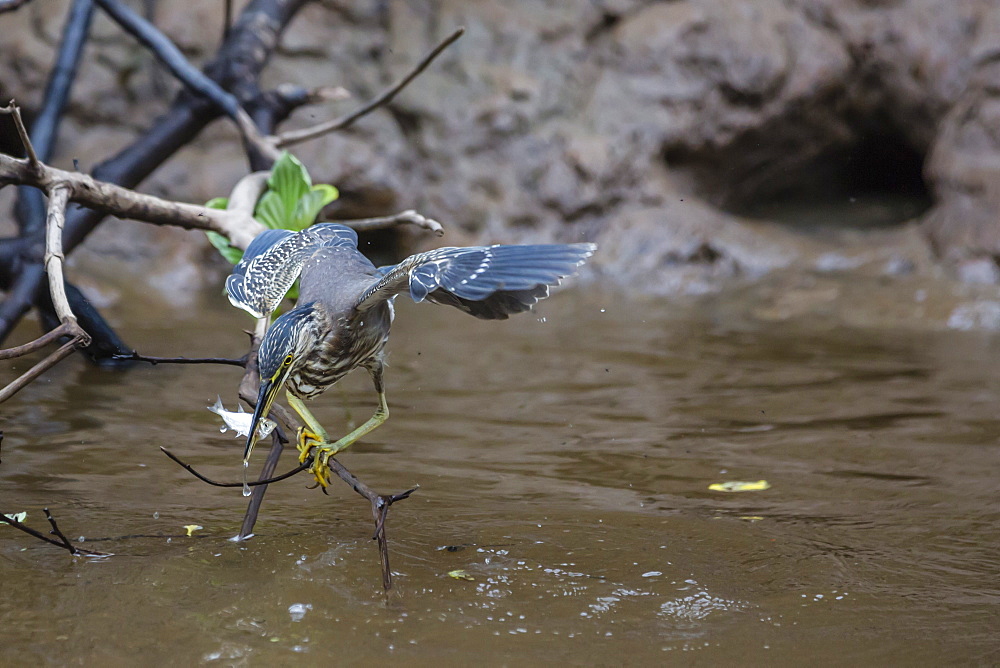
column 246, row 487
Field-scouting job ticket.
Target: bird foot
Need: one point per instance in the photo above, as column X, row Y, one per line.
column 309, row 444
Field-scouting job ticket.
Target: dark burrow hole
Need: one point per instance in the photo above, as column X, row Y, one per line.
column 874, row 182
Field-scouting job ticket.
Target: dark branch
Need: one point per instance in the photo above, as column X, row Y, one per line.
column 188, row 74
column 11, row 5
column 190, row 469
column 63, row 542
column 136, row 357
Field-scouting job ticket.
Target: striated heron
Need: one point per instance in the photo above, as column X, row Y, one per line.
column 345, row 309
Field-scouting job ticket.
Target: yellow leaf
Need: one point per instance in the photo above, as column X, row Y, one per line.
column 739, row 486
column 460, row 575
column 751, row 518
column 191, row 528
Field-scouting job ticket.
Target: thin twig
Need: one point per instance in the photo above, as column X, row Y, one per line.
column 408, row 217
column 292, row 137
column 22, row 132
column 30, row 347
column 63, row 543
column 267, row 481
column 136, row 357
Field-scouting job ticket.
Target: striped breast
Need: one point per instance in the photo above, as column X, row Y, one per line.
column 350, row 342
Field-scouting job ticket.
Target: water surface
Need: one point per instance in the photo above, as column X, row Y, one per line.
column 564, row 459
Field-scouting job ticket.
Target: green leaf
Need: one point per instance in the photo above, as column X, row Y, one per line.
column 271, row 211
column 290, row 181
column 221, row 244
column 217, row 203
column 310, row 205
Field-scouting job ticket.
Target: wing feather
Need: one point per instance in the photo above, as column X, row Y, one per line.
column 486, row 281
column 273, row 261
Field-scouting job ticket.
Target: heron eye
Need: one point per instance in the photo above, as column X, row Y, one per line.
column 288, row 361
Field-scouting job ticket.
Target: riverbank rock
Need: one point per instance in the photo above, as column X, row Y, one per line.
column 698, row 142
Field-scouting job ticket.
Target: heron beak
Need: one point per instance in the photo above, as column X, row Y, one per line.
column 268, row 391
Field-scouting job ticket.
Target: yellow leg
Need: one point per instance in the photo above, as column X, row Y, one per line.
column 313, row 436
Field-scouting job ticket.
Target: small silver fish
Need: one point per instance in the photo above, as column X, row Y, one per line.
column 240, row 422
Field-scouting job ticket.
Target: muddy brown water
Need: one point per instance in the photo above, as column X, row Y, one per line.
column 564, row 460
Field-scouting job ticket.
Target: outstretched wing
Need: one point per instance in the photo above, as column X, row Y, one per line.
column 489, row 282
column 273, row 261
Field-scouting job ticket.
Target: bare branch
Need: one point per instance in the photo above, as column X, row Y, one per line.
column 22, row 132
column 34, row 372
column 54, row 258
column 292, row 137
column 39, row 343
column 238, row 228
column 408, row 217
column 244, row 195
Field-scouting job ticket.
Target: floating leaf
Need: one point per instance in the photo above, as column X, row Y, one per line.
column 191, row 528
column 17, row 517
column 460, row 575
column 740, row 486
column 751, row 518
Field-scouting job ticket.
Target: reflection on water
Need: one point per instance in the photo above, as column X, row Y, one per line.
column 563, row 460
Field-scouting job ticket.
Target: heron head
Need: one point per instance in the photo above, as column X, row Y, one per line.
column 281, row 351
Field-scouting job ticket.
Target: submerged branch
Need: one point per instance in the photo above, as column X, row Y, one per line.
column 63, row 542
